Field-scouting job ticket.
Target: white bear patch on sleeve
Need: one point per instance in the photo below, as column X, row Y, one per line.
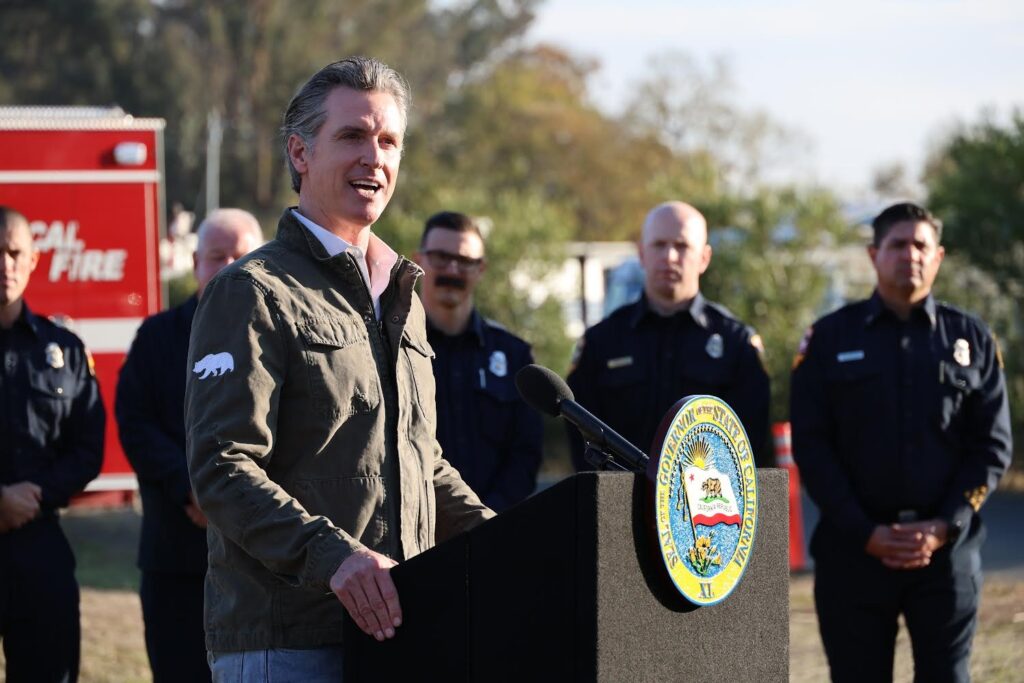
column 214, row 364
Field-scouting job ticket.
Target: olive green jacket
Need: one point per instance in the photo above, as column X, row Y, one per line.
column 310, row 434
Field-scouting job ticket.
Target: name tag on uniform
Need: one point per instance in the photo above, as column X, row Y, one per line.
column 849, row 356
column 614, row 363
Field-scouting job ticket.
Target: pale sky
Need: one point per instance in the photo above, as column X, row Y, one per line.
column 868, row 82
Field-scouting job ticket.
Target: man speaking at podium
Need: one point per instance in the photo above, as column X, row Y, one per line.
column 310, row 403
column 632, row 367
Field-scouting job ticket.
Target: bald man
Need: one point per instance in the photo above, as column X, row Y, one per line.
column 51, row 445
column 151, row 422
column 631, row 368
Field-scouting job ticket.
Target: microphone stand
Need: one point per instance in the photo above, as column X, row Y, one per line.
column 601, row 460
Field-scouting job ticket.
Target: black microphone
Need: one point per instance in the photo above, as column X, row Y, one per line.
column 547, row 392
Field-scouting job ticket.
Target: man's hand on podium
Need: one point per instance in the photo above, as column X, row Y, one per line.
column 363, row 584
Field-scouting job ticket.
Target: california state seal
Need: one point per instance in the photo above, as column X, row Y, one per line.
column 705, row 498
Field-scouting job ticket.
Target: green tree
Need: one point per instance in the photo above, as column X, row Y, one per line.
column 185, row 59
column 761, row 271
column 975, row 182
column 691, row 108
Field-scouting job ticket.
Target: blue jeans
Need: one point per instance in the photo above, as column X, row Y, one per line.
column 279, row 666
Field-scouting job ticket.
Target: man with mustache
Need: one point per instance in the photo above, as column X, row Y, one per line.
column 901, row 430
column 632, row 367
column 485, row 429
column 309, row 406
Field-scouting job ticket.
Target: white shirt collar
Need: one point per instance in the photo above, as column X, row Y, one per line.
column 332, row 243
column 384, row 257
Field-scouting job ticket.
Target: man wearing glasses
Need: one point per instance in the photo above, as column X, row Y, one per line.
column 486, row 431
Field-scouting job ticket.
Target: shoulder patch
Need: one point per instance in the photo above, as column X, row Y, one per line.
column 998, row 350
column 801, row 351
column 215, row 364
column 757, row 343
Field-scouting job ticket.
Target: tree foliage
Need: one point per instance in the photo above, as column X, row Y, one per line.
column 498, row 130
column 975, row 182
column 760, row 271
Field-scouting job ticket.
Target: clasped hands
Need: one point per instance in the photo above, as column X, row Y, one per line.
column 907, row 545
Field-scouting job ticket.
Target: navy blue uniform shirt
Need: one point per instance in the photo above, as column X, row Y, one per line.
column 150, row 411
column 485, row 429
column 52, row 419
column 899, row 419
column 635, row 364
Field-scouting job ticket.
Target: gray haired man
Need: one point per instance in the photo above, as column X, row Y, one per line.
column 150, row 423
column 310, row 411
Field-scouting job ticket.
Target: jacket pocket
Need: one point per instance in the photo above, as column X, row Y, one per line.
column 353, row 504
column 419, row 354
column 705, row 376
column 49, row 402
column 496, row 404
column 956, row 383
column 342, row 373
column 853, row 385
column 625, row 396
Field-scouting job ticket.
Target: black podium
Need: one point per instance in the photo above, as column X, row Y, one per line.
column 567, row 586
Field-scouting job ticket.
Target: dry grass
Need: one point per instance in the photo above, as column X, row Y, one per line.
column 997, row 658
column 112, row 643
column 113, row 649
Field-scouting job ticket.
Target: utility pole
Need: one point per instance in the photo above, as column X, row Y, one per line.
column 214, row 135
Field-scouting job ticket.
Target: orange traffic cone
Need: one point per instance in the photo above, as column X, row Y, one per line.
column 784, row 458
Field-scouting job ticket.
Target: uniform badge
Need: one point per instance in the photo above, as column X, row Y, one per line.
column 215, row 364
column 498, row 364
column 54, row 356
column 705, row 498
column 962, row 352
column 715, row 346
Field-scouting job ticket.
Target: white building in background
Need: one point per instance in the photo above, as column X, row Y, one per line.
column 585, row 283
column 597, row 277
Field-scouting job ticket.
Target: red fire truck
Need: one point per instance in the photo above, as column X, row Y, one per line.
column 90, row 182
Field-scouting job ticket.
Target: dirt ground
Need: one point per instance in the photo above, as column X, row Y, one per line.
column 997, row 658
column 113, row 650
